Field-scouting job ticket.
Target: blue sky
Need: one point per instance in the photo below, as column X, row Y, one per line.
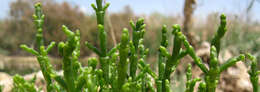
column 167, row 7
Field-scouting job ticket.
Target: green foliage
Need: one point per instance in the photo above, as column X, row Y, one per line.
column 190, row 82
column 113, row 74
column 202, row 87
column 253, row 72
column 19, row 21
column 138, row 35
column 21, row 85
column 1, row 88
column 213, row 73
column 42, row 52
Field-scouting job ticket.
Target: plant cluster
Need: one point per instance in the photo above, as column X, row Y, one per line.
column 124, row 68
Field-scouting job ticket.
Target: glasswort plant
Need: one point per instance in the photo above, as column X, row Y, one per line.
column 253, row 72
column 123, row 68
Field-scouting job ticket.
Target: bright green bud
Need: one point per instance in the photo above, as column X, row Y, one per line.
column 92, row 62
column 202, row 87
column 143, row 26
column 67, row 31
column 140, row 22
column 30, row 50
column 125, row 36
column 223, row 17
column 132, row 24
column 141, row 41
column 42, row 50
column 176, row 28
column 164, row 51
column 100, row 27
column 61, row 47
column 94, row 7
column 106, row 6
column 50, row 47
column 164, row 29
column 168, row 86
column 188, row 73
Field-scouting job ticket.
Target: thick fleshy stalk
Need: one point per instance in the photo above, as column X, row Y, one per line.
column 213, row 73
column 162, row 59
column 190, row 83
column 103, row 51
column 41, row 52
column 137, row 33
column 253, row 72
column 177, row 53
column 123, row 55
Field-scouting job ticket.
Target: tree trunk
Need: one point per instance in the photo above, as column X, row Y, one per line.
column 189, row 7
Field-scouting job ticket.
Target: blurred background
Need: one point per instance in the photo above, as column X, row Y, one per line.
column 199, row 20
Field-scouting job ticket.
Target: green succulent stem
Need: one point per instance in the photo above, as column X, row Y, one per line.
column 100, row 11
column 39, row 20
column 222, row 29
column 173, row 59
column 41, row 52
column 231, row 62
column 190, row 83
column 21, row 85
column 123, row 54
column 212, row 73
column 70, row 51
column 103, row 52
column 167, row 86
column 202, row 87
column 123, row 68
column 163, row 54
column 137, row 35
column 253, row 72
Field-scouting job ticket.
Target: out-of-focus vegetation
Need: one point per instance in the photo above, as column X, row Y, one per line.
column 20, row 23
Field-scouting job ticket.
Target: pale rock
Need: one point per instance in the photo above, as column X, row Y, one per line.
column 224, row 56
column 236, row 79
column 6, row 81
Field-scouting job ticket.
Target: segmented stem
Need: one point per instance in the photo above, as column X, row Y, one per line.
column 253, row 72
